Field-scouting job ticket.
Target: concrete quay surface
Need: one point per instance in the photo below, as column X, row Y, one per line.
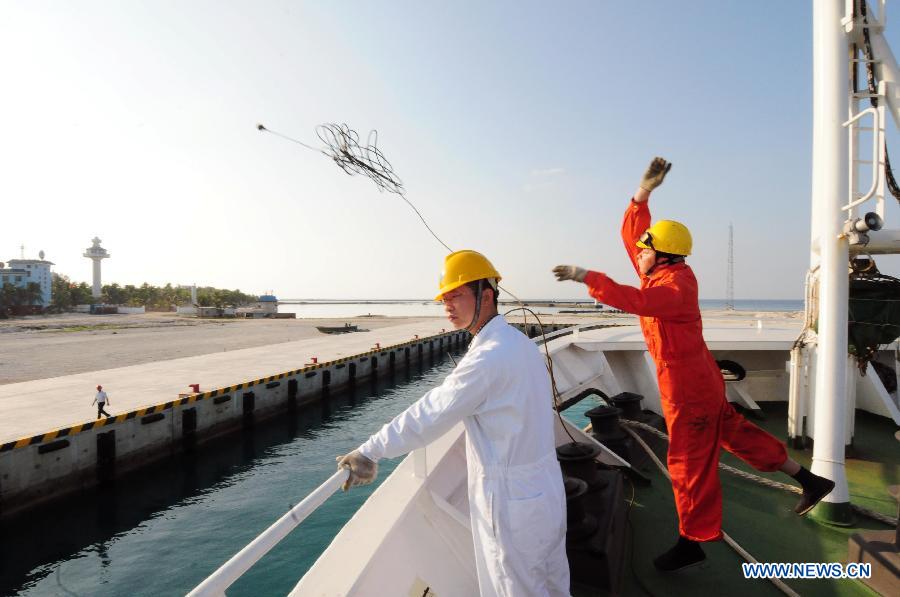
column 33, row 407
column 50, row 365
column 37, row 347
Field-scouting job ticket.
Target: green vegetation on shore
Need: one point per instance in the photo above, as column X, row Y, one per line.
column 67, row 294
column 13, row 296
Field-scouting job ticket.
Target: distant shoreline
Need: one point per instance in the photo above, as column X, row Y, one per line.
column 422, row 307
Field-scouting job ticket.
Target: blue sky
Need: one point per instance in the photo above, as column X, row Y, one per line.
column 520, row 129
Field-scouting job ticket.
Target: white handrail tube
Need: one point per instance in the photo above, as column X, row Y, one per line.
column 243, row 560
column 877, row 165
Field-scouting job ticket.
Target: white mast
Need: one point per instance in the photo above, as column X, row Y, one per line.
column 829, row 188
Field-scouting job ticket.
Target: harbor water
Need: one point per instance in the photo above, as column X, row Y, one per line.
column 162, row 530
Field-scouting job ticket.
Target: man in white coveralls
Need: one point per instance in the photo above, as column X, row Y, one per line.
column 501, row 392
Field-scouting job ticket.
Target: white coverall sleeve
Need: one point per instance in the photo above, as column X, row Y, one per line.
column 464, row 390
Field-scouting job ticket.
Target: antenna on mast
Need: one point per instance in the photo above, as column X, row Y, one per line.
column 729, row 298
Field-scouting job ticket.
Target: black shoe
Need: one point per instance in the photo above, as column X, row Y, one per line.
column 814, row 489
column 685, row 554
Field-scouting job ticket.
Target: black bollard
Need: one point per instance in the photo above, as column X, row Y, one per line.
column 577, row 460
column 630, row 404
column 579, row 523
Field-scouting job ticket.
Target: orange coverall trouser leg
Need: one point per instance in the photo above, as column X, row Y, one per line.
column 700, row 421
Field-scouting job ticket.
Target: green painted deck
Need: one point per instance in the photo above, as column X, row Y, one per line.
column 762, row 520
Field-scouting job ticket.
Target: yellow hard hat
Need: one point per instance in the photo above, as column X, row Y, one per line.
column 667, row 236
column 462, row 267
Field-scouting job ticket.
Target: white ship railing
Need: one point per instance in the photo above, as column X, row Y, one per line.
column 230, row 571
column 216, row 584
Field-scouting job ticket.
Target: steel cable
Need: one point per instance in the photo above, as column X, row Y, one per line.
column 343, row 147
column 872, row 85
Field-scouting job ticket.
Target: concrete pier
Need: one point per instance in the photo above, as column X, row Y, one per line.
column 51, row 444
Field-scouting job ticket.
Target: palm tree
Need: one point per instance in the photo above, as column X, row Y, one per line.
column 60, row 290
column 7, row 298
column 33, row 294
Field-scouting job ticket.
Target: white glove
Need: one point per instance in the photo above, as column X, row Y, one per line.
column 362, row 470
column 569, row 272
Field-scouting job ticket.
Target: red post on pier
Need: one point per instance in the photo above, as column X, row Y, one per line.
column 315, row 360
column 195, row 387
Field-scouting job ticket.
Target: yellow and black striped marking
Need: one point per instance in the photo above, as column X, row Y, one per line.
column 76, row 429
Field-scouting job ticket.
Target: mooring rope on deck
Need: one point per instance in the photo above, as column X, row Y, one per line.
column 731, row 542
column 888, row 520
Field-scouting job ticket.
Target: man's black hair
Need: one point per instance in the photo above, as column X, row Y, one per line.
column 474, row 287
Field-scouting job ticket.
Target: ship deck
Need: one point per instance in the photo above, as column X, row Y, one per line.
column 761, row 520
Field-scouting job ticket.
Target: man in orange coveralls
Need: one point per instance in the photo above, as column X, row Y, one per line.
column 691, row 387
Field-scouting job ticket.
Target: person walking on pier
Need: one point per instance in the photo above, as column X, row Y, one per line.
column 500, row 391
column 692, row 391
column 101, row 399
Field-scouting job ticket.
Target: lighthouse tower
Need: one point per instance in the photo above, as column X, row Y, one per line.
column 97, row 254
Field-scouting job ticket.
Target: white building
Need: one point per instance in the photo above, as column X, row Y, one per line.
column 22, row 271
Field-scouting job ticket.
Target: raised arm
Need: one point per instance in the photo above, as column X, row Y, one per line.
column 436, row 412
column 634, row 224
column 663, row 301
column 637, row 214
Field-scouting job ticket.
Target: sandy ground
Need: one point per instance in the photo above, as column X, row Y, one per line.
column 39, row 347
column 51, row 346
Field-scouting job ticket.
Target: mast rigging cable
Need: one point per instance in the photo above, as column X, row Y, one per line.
column 872, row 85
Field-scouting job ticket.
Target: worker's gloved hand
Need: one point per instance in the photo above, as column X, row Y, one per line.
column 362, row 470
column 655, row 174
column 569, row 272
